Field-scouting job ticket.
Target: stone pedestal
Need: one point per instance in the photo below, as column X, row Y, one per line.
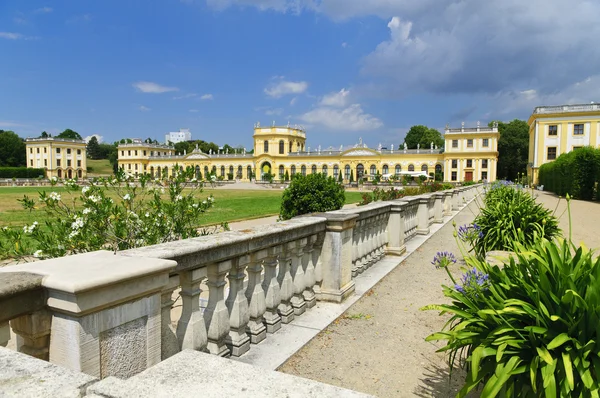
column 438, row 216
column 337, row 282
column 105, row 310
column 447, row 203
column 423, row 216
column 395, row 229
column 33, row 333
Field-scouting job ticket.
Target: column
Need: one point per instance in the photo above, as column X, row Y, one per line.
column 216, row 314
column 191, row 329
column 272, row 291
column 255, row 295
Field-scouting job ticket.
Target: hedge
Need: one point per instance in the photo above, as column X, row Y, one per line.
column 21, row 172
column 576, row 173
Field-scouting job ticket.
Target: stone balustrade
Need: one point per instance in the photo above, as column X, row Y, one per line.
column 107, row 314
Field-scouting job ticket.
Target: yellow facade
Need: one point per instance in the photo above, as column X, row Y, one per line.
column 471, row 154
column 62, row 158
column 554, row 130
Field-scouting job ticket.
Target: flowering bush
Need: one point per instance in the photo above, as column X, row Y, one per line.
column 117, row 213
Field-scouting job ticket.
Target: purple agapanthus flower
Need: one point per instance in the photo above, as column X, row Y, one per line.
column 443, row 259
column 469, row 232
column 473, row 282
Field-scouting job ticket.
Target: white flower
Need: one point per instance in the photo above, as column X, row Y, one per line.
column 178, row 198
column 204, row 202
column 127, row 197
column 195, row 205
column 84, row 190
column 31, row 228
column 95, row 198
column 78, row 223
column 114, row 181
column 194, row 179
column 87, row 210
column 147, row 214
column 38, row 254
column 73, row 234
column 54, row 196
column 54, row 179
column 211, row 199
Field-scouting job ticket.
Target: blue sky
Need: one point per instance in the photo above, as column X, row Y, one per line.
column 343, row 69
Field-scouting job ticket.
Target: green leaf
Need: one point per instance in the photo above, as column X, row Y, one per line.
column 568, row 370
column 545, row 355
column 558, row 341
column 500, row 351
column 475, row 359
column 500, row 377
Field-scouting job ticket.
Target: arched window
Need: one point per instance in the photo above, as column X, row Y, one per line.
column 290, row 147
column 360, row 171
column 398, row 169
column 313, row 169
column 347, row 172
column 222, row 171
column 411, row 167
column 152, row 171
column 230, row 169
column 281, row 169
column 336, row 171
column 206, row 173
column 293, row 170
column 249, row 172
column 385, row 169
column 266, row 147
column 303, row 170
column 158, row 172
column 198, row 172
column 424, row 168
column 239, row 172
column 166, row 172
column 59, row 172
column 214, row 170
column 438, row 168
column 79, row 173
column 373, row 170
column 281, row 147
column 325, row 170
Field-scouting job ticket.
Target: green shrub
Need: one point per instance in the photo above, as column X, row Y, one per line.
column 229, row 176
column 511, row 215
column 468, row 183
column 286, row 177
column 310, row 194
column 529, row 328
column 21, row 172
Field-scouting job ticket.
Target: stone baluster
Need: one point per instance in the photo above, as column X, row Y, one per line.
column 360, row 252
column 382, row 235
column 299, row 278
column 396, row 228
column 368, row 245
column 447, row 203
column 216, row 314
column 317, row 261
column 309, row 273
column 423, row 216
column 337, row 282
column 4, row 333
column 455, row 200
column 438, row 217
column 191, row 329
column 237, row 341
column 461, row 197
column 255, row 295
column 431, row 204
column 33, row 333
column 286, row 284
column 272, row 290
column 376, row 244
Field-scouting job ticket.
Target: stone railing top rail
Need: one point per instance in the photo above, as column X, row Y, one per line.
column 566, row 108
column 55, row 139
column 21, row 293
column 145, row 145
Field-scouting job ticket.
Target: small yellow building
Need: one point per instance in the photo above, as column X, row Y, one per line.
column 471, row 154
column 62, row 158
column 554, row 130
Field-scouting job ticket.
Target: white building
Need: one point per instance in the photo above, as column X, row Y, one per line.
column 178, row 136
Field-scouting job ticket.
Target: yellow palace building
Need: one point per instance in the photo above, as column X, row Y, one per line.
column 554, row 130
column 62, row 158
column 470, row 154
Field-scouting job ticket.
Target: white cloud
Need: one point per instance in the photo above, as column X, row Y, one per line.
column 207, row 97
column 344, row 45
column 283, row 87
column 98, row 137
column 190, row 95
column 194, row 110
column 11, row 36
column 154, row 88
column 352, row 118
column 43, row 10
column 293, row 101
column 338, row 99
column 143, row 108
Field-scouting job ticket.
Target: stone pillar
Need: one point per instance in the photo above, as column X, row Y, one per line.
column 423, row 216
column 395, row 229
column 169, row 343
column 447, row 203
column 271, row 288
column 438, row 217
column 297, row 272
column 216, row 314
column 33, row 333
column 337, row 282
column 255, row 295
column 105, row 312
column 286, row 284
column 309, row 273
column 191, row 328
column 237, row 341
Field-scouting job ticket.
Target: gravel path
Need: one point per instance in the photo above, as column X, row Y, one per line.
column 378, row 346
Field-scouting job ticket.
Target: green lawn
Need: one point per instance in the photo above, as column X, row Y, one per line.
column 230, row 205
column 100, row 167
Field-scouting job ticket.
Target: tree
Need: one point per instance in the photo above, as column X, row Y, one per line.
column 70, row 135
column 310, row 194
column 12, row 150
column 286, row 177
column 340, row 178
column 93, row 148
column 45, row 135
column 513, row 148
column 182, row 147
column 351, row 176
column 423, row 136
